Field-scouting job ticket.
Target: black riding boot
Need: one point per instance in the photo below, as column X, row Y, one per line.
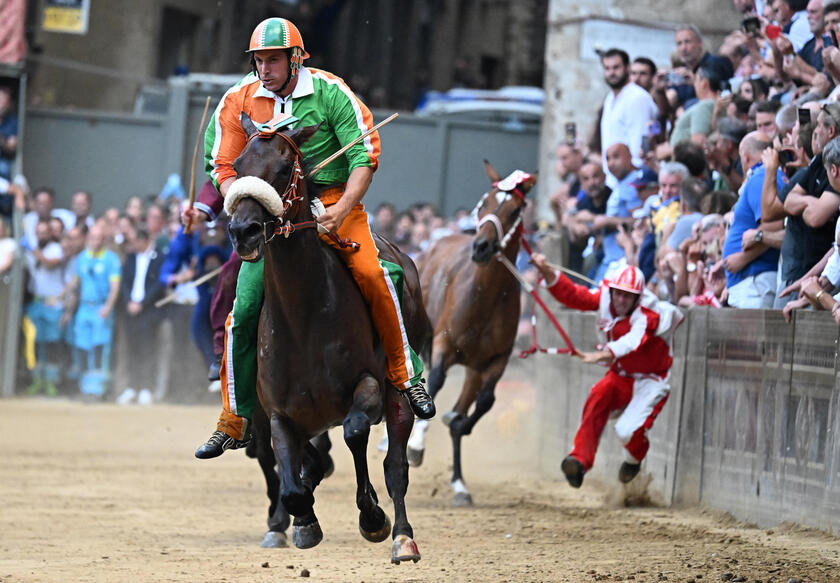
column 217, row 444
column 420, row 401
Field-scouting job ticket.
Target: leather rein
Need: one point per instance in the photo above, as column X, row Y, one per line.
column 516, row 229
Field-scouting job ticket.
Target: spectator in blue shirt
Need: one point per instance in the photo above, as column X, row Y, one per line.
column 97, row 279
column 751, row 250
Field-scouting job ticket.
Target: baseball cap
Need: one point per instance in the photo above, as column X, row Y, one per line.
column 644, row 177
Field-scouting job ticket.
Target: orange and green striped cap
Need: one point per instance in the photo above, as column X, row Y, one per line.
column 279, row 33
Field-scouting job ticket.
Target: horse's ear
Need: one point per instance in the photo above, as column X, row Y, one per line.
column 247, row 125
column 301, row 135
column 492, row 174
column 532, row 180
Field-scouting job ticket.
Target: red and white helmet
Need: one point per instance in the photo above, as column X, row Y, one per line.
column 629, row 279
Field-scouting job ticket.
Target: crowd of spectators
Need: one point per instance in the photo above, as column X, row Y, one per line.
column 718, row 176
column 91, row 277
column 92, row 280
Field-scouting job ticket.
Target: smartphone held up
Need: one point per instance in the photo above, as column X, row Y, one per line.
column 571, row 133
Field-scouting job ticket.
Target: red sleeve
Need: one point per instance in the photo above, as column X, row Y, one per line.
column 575, row 296
column 209, row 200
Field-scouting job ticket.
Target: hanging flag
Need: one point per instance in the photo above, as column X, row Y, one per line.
column 12, row 18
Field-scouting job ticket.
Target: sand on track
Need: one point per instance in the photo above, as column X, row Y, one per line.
column 98, row 492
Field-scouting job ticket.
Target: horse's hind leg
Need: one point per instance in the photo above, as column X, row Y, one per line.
column 367, row 405
column 398, row 419
column 278, row 518
column 323, row 445
column 417, row 441
column 296, row 497
column 462, row 424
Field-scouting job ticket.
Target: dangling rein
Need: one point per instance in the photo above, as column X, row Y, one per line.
column 535, row 347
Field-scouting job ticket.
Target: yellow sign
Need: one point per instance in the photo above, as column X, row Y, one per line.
column 66, row 16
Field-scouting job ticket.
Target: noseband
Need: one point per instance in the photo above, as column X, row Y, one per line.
column 291, row 196
column 492, row 218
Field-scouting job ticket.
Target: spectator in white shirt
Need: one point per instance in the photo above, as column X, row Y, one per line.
column 46, row 283
column 628, row 109
column 43, row 208
column 792, row 16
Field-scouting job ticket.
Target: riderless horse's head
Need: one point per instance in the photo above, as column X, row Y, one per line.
column 499, row 212
column 270, row 188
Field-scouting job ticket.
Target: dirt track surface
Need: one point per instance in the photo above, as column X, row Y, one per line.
column 107, row 493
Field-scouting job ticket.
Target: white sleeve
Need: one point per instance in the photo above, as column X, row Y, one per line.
column 831, row 271
column 633, row 339
column 644, row 110
column 799, row 33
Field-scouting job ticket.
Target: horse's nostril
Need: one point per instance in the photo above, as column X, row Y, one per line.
column 252, row 230
column 243, row 232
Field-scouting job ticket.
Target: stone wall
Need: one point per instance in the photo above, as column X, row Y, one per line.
column 574, row 82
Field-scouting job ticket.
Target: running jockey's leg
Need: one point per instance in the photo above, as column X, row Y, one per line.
column 381, row 283
column 239, row 365
column 611, row 393
column 649, row 396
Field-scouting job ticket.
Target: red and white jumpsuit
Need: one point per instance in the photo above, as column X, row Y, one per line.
column 637, row 382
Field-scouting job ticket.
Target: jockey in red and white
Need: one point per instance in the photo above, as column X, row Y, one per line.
column 634, row 333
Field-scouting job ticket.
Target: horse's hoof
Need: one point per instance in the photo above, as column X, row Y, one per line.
column 404, row 549
column 462, row 499
column 415, row 456
column 449, row 417
column 379, row 535
column 274, row 540
column 306, row 537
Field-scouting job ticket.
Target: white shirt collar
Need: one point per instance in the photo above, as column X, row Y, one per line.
column 304, row 87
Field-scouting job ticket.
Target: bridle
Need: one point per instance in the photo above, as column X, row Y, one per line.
column 291, row 194
column 291, row 197
column 492, row 218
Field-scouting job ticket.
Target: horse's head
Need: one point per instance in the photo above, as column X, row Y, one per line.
column 270, row 186
column 500, row 212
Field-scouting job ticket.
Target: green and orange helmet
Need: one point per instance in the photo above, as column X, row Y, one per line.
column 279, row 33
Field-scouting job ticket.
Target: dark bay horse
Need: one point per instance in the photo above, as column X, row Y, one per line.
column 319, row 360
column 473, row 302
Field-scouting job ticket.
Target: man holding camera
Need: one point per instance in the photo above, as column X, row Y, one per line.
column 810, row 205
column 807, row 61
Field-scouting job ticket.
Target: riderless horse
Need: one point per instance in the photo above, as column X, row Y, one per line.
column 473, row 302
column 319, row 360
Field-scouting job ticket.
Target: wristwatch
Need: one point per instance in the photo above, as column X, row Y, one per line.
column 759, row 236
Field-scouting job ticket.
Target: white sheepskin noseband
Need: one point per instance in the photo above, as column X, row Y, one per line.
column 257, row 188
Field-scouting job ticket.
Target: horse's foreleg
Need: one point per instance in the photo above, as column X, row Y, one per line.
column 417, row 442
column 296, row 498
column 278, row 518
column 399, row 418
column 367, row 405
